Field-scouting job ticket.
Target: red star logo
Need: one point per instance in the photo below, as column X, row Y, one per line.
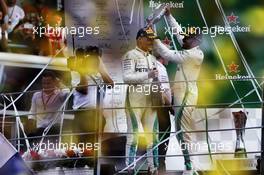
column 166, row 41
column 233, row 68
column 232, row 18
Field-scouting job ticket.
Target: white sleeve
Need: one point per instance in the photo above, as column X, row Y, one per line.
column 63, row 34
column 64, row 94
column 176, row 28
column 79, row 100
column 33, row 108
column 21, row 13
column 165, row 85
column 10, row 27
column 166, row 90
column 167, row 93
column 170, row 55
column 129, row 73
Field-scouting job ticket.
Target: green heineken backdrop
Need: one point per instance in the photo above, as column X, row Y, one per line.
column 246, row 19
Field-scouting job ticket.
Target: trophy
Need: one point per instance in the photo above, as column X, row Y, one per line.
column 157, row 14
column 240, row 119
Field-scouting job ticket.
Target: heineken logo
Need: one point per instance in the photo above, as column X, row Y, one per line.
column 233, row 68
column 232, row 73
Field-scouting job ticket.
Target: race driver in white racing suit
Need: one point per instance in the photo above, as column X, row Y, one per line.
column 189, row 61
column 139, row 70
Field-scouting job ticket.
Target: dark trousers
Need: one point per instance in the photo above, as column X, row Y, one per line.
column 54, row 130
column 85, row 129
column 164, row 126
column 85, row 121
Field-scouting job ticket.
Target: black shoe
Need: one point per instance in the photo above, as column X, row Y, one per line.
column 153, row 172
column 130, row 171
column 162, row 168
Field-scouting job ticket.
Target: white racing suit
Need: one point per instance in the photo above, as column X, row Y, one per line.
column 136, row 65
column 185, row 92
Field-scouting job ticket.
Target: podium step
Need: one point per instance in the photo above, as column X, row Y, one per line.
column 250, row 172
column 236, row 164
column 81, row 171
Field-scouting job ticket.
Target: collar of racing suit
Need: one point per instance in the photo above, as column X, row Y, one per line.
column 143, row 52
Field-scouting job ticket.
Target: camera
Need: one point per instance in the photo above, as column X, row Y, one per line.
column 86, row 60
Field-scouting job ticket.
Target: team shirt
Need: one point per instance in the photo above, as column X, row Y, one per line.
column 44, row 107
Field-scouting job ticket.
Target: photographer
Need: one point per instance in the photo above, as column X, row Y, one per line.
column 24, row 35
column 44, row 105
column 86, row 96
column 14, row 15
column 3, row 27
column 55, row 35
column 36, row 11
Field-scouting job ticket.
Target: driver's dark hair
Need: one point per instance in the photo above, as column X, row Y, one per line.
column 88, row 50
column 49, row 74
column 93, row 50
column 79, row 52
column 192, row 40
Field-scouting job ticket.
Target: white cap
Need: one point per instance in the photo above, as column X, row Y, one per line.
column 28, row 26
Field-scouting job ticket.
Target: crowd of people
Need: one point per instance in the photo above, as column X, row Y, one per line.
column 149, row 113
column 28, row 27
column 19, row 21
column 141, row 66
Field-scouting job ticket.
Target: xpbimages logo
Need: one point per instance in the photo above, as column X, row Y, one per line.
column 213, row 31
column 67, row 146
column 233, row 27
column 146, row 89
column 199, row 146
column 76, row 31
